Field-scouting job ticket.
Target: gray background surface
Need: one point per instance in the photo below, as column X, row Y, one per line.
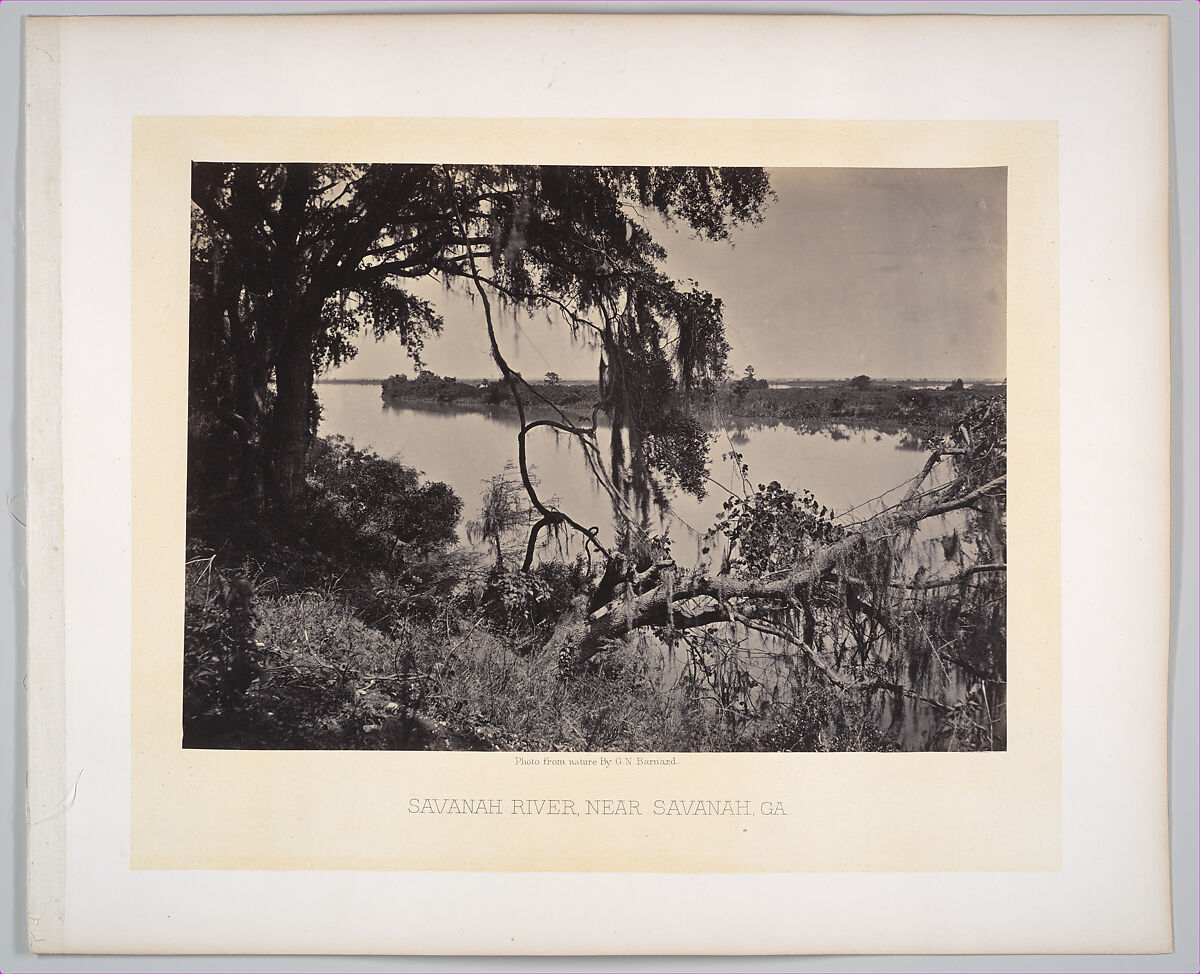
column 1185, row 827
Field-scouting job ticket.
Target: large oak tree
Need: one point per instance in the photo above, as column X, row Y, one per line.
column 293, row 263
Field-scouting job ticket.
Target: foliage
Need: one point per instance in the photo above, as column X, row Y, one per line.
column 376, row 510
column 495, row 394
column 819, row 718
column 926, row 414
column 317, row 677
column 630, row 702
column 504, row 514
column 773, row 529
column 355, row 624
column 293, row 263
column 979, row 442
column 220, row 654
column 678, row 449
column 739, row 391
column 428, row 387
column 511, row 597
column 336, row 640
column 561, row 584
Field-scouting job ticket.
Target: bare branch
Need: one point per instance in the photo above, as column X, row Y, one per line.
column 548, row 515
column 650, row 608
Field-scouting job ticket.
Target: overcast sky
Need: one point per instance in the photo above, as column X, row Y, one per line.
column 895, row 273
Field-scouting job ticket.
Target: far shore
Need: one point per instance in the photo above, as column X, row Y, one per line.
column 917, row 407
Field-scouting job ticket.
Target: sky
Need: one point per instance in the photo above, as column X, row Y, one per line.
column 896, row 273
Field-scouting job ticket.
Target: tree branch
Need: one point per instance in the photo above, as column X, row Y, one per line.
column 548, row 515
column 651, row 608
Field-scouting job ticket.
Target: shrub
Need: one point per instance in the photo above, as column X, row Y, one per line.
column 220, row 654
column 373, row 510
column 293, row 671
column 818, row 718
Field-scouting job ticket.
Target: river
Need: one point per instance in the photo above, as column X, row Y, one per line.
column 466, row 447
column 847, row 469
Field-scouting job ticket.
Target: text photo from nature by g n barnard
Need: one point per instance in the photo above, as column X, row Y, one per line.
column 578, row 458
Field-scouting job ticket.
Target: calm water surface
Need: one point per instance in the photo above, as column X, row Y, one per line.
column 846, row 469
column 465, row 448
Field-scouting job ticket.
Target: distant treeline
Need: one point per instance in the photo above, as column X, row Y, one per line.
column 428, row 387
column 859, row 401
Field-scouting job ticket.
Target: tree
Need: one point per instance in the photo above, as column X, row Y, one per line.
column 292, row 263
column 504, row 508
column 745, row 385
column 860, row 383
column 840, row 596
column 379, row 508
column 552, row 378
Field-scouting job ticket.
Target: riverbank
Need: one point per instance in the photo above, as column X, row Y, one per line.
column 394, row 614
column 890, row 407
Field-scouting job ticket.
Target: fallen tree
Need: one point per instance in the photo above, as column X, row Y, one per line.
column 834, row 591
column 684, row 600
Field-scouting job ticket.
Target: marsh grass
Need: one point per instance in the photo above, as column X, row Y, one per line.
column 304, row 670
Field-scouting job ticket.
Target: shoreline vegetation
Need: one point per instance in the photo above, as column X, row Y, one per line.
column 369, row 627
column 920, row 408
column 329, row 603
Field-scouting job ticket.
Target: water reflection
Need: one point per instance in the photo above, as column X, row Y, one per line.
column 466, row 447
column 855, row 472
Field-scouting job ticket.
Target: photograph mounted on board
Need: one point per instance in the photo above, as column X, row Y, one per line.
column 578, row 458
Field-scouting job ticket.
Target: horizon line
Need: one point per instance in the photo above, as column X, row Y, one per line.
column 766, row 378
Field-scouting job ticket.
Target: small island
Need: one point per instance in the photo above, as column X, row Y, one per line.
column 923, row 408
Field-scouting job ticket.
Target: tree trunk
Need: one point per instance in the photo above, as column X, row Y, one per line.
column 291, row 421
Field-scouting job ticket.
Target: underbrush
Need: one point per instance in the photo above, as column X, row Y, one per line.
column 305, row 670
column 363, row 627
column 525, row 702
column 300, row 671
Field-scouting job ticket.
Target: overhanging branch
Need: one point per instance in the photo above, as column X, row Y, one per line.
column 699, row 600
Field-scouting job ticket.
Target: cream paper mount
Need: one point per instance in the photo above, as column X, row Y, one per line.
column 198, row 809
column 1057, row 843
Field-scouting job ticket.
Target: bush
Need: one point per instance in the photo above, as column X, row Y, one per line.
column 220, row 654
column 627, row 702
column 820, row 719
column 293, row 671
column 376, row 511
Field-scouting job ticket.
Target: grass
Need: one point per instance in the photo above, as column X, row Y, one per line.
column 305, row 670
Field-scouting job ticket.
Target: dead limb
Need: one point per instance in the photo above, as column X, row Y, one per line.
column 689, row 603
column 549, row 516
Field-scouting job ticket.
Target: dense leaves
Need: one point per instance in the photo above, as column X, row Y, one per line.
column 773, row 529
column 377, row 509
column 293, row 263
column 979, row 442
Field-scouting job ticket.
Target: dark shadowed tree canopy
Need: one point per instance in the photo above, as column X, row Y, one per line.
column 292, row 264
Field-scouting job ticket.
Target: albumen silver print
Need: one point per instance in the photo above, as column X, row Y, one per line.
column 596, row 458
